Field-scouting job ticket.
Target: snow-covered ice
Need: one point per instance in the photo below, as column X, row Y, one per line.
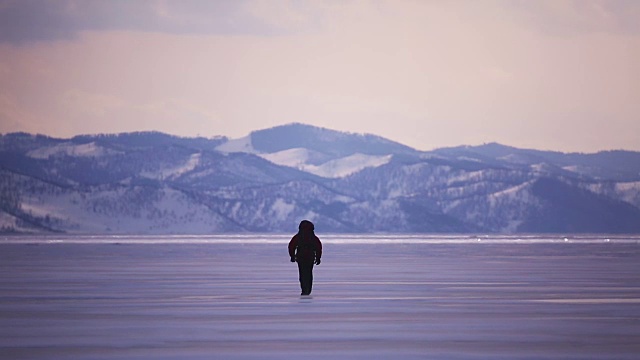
column 374, row 297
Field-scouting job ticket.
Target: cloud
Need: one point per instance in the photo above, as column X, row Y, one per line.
column 282, row 14
column 424, row 73
column 48, row 20
column 571, row 17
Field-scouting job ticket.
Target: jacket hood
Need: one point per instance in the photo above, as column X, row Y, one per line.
column 306, row 225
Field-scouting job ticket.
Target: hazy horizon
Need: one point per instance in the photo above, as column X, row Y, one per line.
column 213, row 136
column 560, row 75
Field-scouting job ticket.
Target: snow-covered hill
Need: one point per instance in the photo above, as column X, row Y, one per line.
column 271, row 179
column 323, row 152
column 302, row 159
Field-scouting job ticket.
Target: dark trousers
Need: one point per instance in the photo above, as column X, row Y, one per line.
column 305, row 270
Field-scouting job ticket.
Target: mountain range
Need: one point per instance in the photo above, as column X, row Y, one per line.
column 155, row 183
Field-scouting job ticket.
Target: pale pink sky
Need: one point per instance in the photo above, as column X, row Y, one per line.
column 556, row 75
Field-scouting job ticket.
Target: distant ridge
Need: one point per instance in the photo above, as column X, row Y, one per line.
column 155, row 183
column 335, row 143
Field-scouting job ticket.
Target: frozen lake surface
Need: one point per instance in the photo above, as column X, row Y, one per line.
column 374, row 297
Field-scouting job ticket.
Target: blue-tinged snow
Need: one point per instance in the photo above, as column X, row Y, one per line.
column 305, row 160
column 308, row 160
column 70, row 149
column 374, row 297
column 171, row 172
column 625, row 191
column 242, row 144
column 121, row 210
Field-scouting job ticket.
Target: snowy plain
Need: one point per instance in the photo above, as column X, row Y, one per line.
column 374, row 297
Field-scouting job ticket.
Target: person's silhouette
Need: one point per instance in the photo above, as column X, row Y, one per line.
column 306, row 249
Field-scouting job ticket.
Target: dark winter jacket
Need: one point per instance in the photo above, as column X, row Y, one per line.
column 305, row 247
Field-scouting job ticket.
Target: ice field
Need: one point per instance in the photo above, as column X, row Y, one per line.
column 374, row 297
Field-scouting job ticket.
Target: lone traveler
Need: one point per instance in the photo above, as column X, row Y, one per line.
column 306, row 249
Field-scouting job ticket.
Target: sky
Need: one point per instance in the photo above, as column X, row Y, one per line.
column 549, row 74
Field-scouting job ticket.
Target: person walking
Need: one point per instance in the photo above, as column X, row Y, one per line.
column 306, row 249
